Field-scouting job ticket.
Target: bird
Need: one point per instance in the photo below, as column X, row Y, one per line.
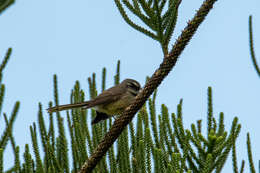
column 110, row 102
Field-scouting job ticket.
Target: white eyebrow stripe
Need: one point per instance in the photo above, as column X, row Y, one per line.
column 135, row 83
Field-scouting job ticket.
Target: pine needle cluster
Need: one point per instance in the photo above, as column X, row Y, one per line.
column 159, row 16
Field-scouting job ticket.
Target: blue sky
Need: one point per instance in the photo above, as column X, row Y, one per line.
column 73, row 40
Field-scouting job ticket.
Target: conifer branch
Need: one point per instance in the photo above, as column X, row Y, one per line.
column 2, row 92
column 4, row 4
column 28, row 167
column 131, row 23
column 161, row 25
column 10, row 133
column 147, row 8
column 234, row 155
column 1, row 160
column 249, row 153
column 17, row 167
column 39, row 165
column 104, row 71
column 63, row 144
column 5, row 60
column 251, row 45
column 164, row 69
column 242, row 167
column 153, row 122
column 169, row 21
column 9, row 127
column 210, row 109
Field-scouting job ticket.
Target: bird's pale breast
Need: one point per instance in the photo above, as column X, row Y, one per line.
column 117, row 107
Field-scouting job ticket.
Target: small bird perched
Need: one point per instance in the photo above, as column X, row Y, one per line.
column 112, row 101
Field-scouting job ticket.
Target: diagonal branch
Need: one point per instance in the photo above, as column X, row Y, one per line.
column 5, row 4
column 164, row 69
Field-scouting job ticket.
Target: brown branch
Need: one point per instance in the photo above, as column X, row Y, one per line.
column 5, row 4
column 165, row 67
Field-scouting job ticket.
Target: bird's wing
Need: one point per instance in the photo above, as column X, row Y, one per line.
column 108, row 96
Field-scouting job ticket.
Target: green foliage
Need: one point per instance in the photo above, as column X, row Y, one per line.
column 253, row 57
column 7, row 132
column 154, row 143
column 1, row 160
column 9, row 123
column 159, row 16
column 250, row 157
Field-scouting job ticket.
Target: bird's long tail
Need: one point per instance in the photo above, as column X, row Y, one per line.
column 68, row 106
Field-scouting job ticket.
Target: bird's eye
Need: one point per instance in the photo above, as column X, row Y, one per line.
column 133, row 85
